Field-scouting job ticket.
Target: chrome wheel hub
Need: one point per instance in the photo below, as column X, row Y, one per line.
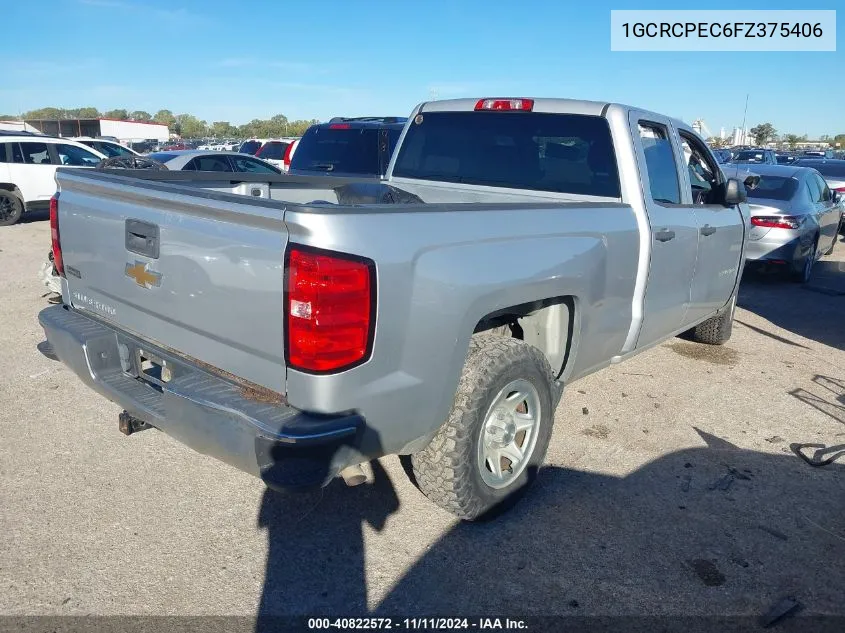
column 509, row 434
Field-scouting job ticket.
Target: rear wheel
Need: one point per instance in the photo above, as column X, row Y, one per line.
column 11, row 208
column 802, row 275
column 488, row 451
column 832, row 245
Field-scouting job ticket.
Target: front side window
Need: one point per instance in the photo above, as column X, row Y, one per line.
column 660, row 163
column 251, row 165
column 76, row 156
column 703, row 172
column 33, row 154
column 109, row 149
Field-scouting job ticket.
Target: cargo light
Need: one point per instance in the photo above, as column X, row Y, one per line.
column 54, row 235
column 330, row 309
column 777, row 221
column 525, row 105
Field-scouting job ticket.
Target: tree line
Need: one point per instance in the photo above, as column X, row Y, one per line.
column 185, row 125
column 766, row 133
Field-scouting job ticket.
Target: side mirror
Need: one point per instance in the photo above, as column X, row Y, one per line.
column 735, row 192
column 835, row 196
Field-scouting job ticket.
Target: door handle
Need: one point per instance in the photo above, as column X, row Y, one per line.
column 142, row 238
column 664, row 235
column 707, row 230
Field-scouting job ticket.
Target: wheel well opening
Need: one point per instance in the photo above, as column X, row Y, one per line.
column 547, row 324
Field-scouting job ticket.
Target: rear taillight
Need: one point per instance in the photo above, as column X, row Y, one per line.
column 329, row 308
column 839, row 189
column 505, row 104
column 54, row 232
column 339, row 126
column 776, row 221
column 286, row 159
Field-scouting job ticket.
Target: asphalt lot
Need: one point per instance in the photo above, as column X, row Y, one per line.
column 671, row 489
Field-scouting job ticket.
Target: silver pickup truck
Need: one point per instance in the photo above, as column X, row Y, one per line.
column 296, row 327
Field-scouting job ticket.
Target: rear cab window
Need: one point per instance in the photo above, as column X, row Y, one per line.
column 338, row 148
column 273, row 150
column 561, row 153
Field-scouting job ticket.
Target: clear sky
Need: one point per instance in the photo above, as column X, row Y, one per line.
column 239, row 60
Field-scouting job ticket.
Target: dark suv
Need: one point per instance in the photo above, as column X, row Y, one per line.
column 348, row 147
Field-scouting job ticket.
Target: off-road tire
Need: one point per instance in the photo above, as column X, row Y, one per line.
column 447, row 470
column 716, row 330
column 14, row 210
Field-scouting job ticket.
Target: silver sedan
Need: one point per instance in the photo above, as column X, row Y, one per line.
column 794, row 218
column 210, row 160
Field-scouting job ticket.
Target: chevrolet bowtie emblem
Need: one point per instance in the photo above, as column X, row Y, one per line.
column 143, row 277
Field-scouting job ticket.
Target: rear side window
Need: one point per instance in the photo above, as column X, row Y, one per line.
column 76, row 156
column 33, row 154
column 348, row 150
column 660, row 163
column 564, row 153
column 825, row 190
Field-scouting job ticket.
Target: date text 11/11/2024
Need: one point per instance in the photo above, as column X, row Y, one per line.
column 413, row 624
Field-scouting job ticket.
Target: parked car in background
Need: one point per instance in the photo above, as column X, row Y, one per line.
column 755, row 157
column 210, row 160
column 28, row 171
column 722, row 155
column 107, row 147
column 794, row 218
column 833, row 171
column 348, row 147
column 250, row 147
column 273, row 152
column 515, row 246
column 818, row 153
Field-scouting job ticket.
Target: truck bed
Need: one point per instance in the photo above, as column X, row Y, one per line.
column 215, row 292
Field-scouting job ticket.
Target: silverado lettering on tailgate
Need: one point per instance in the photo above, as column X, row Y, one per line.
column 81, row 300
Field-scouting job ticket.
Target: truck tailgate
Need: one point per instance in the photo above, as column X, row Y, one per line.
column 197, row 272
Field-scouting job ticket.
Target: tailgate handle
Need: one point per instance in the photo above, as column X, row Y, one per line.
column 142, row 238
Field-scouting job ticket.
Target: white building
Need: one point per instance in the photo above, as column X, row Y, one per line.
column 17, row 126
column 123, row 131
column 741, row 137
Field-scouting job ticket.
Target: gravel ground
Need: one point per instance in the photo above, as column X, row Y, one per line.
column 671, row 489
